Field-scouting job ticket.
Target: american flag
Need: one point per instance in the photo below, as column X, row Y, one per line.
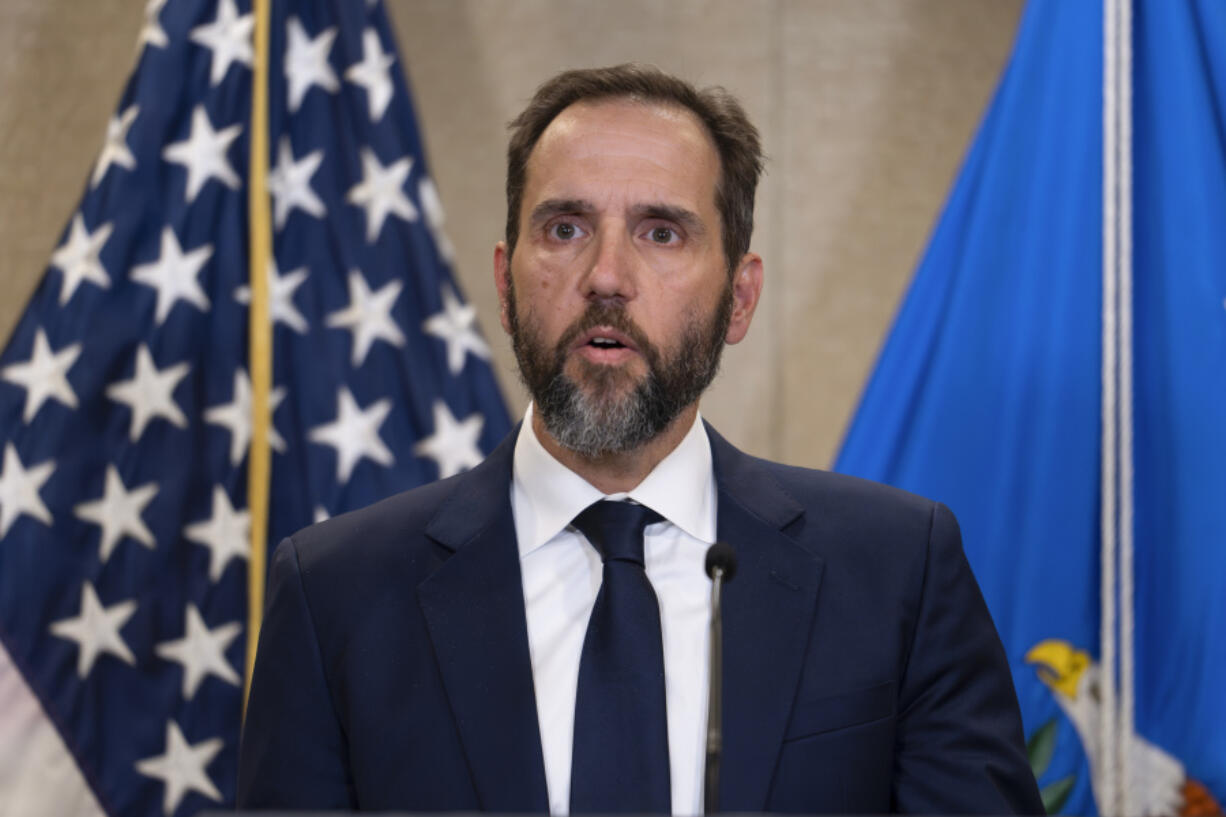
column 126, row 395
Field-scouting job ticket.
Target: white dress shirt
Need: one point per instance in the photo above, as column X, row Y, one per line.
column 562, row 574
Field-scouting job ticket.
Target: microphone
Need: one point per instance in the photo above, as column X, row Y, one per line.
column 721, row 567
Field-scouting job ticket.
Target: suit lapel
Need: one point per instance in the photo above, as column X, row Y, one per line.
column 474, row 610
column 767, row 617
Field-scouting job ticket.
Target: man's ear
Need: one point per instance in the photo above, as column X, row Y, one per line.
column 502, row 283
column 746, row 289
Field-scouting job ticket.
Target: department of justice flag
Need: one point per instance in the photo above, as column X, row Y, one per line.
column 990, row 390
column 126, row 391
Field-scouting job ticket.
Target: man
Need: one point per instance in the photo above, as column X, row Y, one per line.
column 446, row 648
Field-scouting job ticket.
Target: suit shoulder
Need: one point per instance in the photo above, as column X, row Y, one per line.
column 391, row 528
column 848, row 517
column 815, row 505
column 845, row 495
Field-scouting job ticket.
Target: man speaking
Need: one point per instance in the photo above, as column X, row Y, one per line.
column 532, row 635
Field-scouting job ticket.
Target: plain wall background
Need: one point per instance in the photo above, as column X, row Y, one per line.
column 866, row 108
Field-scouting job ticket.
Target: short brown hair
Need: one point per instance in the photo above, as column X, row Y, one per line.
column 736, row 139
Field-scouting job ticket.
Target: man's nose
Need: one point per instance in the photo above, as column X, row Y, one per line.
column 613, row 267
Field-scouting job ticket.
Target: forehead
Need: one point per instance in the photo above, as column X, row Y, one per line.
column 628, row 148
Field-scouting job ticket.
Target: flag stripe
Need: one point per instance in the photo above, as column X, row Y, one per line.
column 33, row 757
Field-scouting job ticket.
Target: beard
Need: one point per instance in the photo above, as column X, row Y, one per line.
column 607, row 410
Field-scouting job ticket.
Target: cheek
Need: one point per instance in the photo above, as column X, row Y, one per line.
column 694, row 299
column 539, row 304
column 691, row 308
column 541, row 286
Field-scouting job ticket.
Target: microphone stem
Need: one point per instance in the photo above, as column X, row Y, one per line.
column 715, row 700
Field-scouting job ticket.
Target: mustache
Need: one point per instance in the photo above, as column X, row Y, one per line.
column 614, row 317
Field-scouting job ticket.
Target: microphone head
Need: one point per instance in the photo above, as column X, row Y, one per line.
column 721, row 555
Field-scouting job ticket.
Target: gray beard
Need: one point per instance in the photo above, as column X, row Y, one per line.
column 594, row 426
column 605, row 417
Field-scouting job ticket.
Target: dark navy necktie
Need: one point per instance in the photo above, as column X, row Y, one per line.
column 620, row 757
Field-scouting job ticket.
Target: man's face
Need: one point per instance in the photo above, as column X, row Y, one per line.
column 618, row 297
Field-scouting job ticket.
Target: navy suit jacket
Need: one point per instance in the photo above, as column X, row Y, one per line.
column 862, row 672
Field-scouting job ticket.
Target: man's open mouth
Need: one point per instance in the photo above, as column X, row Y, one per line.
column 604, row 339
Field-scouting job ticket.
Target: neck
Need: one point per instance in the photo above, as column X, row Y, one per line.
column 618, row 472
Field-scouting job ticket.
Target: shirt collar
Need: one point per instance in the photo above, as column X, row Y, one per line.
column 681, row 488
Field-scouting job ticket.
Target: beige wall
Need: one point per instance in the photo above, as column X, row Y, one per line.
column 866, row 107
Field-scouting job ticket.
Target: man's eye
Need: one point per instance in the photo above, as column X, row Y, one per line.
column 564, row 230
column 663, row 235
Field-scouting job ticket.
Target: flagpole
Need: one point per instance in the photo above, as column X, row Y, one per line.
column 1109, row 465
column 1126, row 724
column 260, row 338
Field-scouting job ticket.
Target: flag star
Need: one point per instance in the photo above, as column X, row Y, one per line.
column 427, row 194
column 96, row 630
column 321, row 514
column 306, row 62
column 118, row 512
column 203, row 154
column 150, row 393
column 453, row 445
column 381, row 192
column 151, row 32
column 174, row 275
column 19, row 487
column 236, row 416
column 372, row 74
column 201, row 651
column 229, row 38
column 355, row 434
column 281, row 290
column 44, row 375
column 182, row 767
column 77, row 257
column 457, row 326
column 289, row 183
column 368, row 316
column 226, row 533
column 115, row 149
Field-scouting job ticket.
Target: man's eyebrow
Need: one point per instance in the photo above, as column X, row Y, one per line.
column 553, row 207
column 688, row 219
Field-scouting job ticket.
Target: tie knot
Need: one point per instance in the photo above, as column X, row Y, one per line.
column 616, row 528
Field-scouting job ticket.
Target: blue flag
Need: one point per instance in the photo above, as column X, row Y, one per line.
column 988, row 395
column 1180, row 370
column 126, row 395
